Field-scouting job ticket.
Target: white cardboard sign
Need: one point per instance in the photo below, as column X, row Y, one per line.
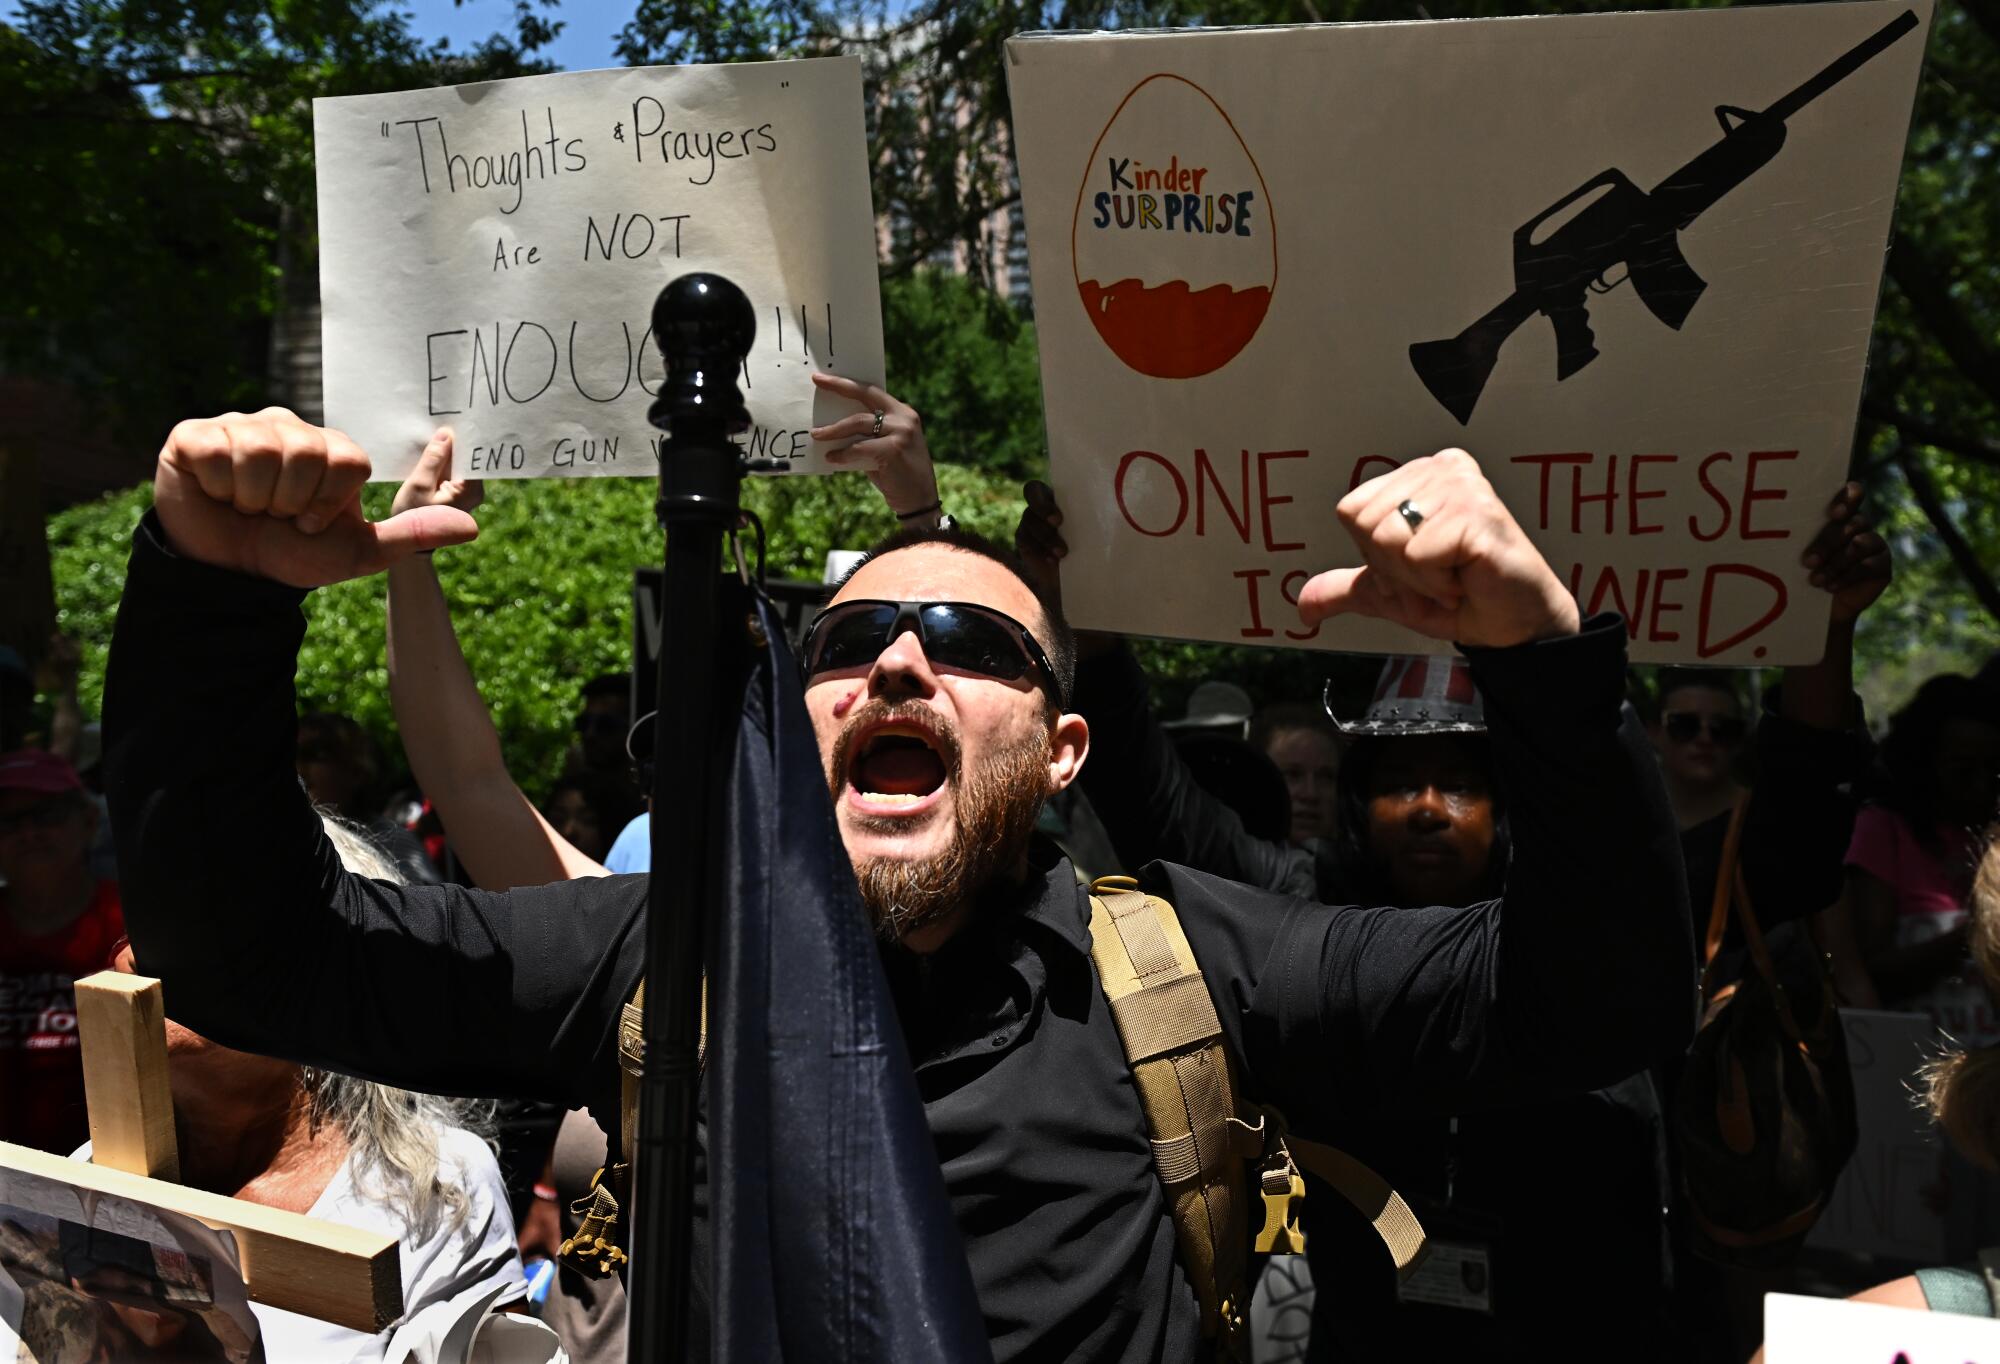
column 1887, row 1200
column 490, row 253
column 1630, row 261
column 1800, row 1330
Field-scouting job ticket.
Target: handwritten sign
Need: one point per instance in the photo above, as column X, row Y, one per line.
column 1890, row 1198
column 1800, row 1330
column 489, row 256
column 1630, row 261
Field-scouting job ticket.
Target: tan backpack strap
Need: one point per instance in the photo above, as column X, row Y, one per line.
column 594, row 1250
column 1371, row 1195
column 631, row 1067
column 1173, row 1040
column 1141, row 952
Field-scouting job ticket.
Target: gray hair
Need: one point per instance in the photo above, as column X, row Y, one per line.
column 394, row 1133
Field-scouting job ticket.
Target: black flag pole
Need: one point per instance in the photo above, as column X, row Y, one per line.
column 704, row 326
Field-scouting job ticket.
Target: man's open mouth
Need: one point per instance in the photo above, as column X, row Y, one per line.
column 896, row 768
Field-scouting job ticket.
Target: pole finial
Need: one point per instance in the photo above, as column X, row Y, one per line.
column 705, row 326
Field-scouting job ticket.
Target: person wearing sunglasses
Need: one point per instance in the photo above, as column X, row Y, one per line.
column 499, row 836
column 938, row 693
column 1699, row 732
column 1809, row 751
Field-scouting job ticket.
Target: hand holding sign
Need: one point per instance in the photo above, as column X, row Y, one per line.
column 891, row 448
column 430, row 484
column 1848, row 558
column 270, row 495
column 1038, row 537
column 1444, row 557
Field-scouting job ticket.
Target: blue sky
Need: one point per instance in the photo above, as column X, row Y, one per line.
column 590, row 27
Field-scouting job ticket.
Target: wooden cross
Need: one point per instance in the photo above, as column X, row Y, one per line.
column 341, row 1274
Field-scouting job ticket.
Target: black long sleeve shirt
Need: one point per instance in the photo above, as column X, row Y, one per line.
column 236, row 899
column 1601, row 1157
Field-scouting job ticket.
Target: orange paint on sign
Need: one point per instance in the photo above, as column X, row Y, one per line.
column 1169, row 331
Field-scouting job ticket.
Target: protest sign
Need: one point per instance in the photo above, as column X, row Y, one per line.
column 489, row 256
column 1800, row 1330
column 1890, row 1198
column 1269, row 264
column 87, row 1274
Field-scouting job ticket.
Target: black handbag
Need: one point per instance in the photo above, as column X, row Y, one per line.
column 1765, row 1114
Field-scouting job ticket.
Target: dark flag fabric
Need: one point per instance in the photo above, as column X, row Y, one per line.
column 833, row 1237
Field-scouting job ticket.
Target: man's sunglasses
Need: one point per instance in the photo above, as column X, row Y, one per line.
column 954, row 634
column 1683, row 726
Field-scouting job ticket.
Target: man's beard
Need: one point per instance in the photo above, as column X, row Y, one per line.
column 993, row 816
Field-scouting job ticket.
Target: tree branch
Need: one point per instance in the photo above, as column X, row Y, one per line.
column 139, row 79
column 1968, row 346
column 60, row 114
column 1978, row 448
column 1981, row 582
column 924, row 242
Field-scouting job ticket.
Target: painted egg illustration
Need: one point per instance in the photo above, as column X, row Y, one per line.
column 1174, row 241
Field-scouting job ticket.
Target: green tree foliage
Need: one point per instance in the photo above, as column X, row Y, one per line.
column 161, row 140
column 160, row 168
column 966, row 361
column 1931, row 414
column 542, row 599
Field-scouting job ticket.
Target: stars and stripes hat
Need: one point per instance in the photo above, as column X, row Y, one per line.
column 1418, row 695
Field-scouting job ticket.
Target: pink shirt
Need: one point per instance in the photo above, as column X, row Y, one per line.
column 1886, row 847
column 1931, row 893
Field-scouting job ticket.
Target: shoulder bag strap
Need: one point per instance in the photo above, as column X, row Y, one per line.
column 1173, row 1041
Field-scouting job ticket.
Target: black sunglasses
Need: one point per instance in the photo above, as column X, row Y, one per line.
column 1682, row 727
column 955, row 634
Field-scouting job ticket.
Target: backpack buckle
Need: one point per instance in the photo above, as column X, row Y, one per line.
column 1284, row 1191
column 594, row 1251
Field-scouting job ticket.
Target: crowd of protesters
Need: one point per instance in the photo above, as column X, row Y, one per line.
column 1563, row 1208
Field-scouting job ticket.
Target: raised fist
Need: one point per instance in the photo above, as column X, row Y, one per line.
column 270, row 495
column 1443, row 556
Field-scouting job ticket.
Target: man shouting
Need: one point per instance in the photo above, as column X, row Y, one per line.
column 937, row 688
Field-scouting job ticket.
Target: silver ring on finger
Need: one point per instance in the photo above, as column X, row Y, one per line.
column 1409, row 512
column 874, row 434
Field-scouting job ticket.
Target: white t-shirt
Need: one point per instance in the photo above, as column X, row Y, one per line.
column 481, row 1251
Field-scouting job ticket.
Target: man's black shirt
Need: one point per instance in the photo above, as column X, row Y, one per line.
column 1539, row 1179
column 1582, row 975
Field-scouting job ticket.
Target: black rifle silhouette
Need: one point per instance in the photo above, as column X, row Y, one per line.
column 1617, row 222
